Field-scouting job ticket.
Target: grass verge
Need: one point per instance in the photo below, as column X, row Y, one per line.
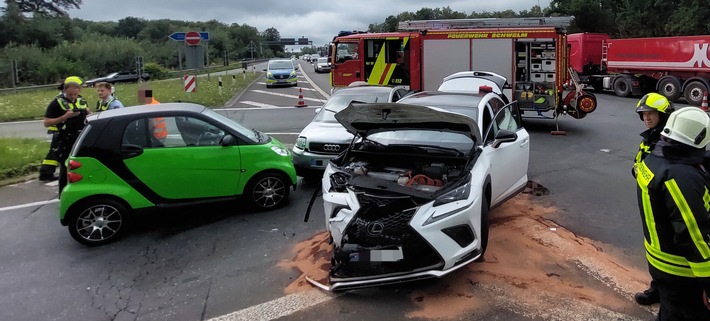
column 32, row 104
column 21, row 156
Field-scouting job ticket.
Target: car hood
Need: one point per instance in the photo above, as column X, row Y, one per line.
column 281, row 71
column 367, row 119
column 323, row 132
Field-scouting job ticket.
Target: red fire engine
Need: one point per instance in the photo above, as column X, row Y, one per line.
column 530, row 52
column 672, row 66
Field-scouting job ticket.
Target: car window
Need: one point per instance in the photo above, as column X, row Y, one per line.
column 169, row 132
column 487, row 120
column 337, row 103
column 280, row 64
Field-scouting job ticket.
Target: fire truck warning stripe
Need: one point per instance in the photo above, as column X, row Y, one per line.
column 378, row 69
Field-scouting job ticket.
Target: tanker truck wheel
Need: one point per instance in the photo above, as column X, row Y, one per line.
column 694, row 93
column 670, row 88
column 622, row 87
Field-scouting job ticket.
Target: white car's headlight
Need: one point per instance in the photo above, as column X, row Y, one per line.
column 279, row 150
column 301, row 142
column 460, row 193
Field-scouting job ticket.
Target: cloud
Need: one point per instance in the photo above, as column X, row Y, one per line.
column 318, row 20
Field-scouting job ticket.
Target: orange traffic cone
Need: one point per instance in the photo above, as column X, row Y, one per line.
column 300, row 103
column 704, row 105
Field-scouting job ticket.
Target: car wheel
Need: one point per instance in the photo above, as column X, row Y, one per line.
column 485, row 225
column 97, row 222
column 267, row 191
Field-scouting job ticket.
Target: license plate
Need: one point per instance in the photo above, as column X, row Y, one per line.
column 317, row 162
column 392, row 255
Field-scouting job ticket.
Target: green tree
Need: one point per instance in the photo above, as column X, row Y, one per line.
column 271, row 34
column 45, row 7
column 130, row 27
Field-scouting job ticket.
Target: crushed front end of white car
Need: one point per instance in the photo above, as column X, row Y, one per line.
column 405, row 201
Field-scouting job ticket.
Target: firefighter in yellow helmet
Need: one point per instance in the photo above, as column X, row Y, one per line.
column 654, row 110
column 674, row 199
column 67, row 112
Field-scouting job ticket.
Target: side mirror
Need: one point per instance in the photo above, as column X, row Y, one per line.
column 228, row 140
column 296, row 67
column 264, row 69
column 318, row 109
column 504, row 136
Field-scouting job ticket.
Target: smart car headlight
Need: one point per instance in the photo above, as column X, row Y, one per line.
column 279, row 150
column 301, row 142
column 457, row 194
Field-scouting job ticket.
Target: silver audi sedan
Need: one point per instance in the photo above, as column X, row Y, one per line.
column 324, row 138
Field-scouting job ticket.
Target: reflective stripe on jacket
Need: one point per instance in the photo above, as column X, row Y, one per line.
column 103, row 105
column 674, row 202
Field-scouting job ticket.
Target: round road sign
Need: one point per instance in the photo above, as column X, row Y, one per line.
column 192, row 38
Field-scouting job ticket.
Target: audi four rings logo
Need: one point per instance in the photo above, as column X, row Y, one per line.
column 331, row 147
column 375, row 228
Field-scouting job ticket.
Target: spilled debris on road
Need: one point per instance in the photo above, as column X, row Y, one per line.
column 532, row 264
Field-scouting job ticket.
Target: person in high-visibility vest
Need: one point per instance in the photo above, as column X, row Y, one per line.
column 673, row 193
column 653, row 109
column 107, row 100
column 68, row 113
column 160, row 129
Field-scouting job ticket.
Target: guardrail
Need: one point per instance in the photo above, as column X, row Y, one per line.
column 169, row 73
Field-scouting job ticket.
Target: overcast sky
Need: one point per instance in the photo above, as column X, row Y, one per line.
column 318, row 20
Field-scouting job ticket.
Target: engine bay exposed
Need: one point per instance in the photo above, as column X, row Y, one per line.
column 418, row 175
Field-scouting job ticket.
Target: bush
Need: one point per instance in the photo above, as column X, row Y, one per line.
column 155, row 71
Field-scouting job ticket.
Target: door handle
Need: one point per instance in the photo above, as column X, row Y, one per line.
column 357, row 74
column 524, row 143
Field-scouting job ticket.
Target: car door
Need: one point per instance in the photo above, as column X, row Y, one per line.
column 188, row 163
column 509, row 161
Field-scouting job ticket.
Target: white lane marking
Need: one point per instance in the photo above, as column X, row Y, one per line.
column 314, row 84
column 278, row 308
column 40, row 203
column 286, row 95
column 257, row 104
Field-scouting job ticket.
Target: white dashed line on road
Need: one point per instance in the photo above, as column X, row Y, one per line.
column 40, row 203
column 286, row 95
column 278, row 308
column 257, row 104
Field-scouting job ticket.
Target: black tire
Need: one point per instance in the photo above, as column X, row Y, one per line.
column 98, row 222
column 622, row 87
column 670, row 87
column 485, row 225
column 694, row 93
column 267, row 190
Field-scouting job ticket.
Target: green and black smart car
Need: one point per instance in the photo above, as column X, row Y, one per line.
column 167, row 155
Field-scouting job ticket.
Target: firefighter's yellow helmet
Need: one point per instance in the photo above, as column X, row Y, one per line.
column 654, row 102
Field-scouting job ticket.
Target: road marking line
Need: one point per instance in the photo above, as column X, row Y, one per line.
column 40, row 203
column 314, row 84
column 253, row 103
column 278, row 308
column 286, row 95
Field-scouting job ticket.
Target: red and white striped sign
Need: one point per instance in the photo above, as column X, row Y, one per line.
column 190, row 83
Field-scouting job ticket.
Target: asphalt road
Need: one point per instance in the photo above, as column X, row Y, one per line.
column 202, row 263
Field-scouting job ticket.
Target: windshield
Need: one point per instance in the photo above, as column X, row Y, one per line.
column 280, row 64
column 111, row 75
column 322, row 60
column 339, row 102
column 248, row 133
column 430, row 140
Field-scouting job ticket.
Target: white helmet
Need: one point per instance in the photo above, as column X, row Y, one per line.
column 689, row 126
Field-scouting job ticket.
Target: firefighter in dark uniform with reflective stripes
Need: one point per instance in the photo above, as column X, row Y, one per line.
column 653, row 109
column 68, row 113
column 50, row 163
column 674, row 201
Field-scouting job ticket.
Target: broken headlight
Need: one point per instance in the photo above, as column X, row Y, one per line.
column 456, row 194
column 338, row 182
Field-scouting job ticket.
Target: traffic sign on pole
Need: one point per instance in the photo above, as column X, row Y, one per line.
column 180, row 36
column 192, row 38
